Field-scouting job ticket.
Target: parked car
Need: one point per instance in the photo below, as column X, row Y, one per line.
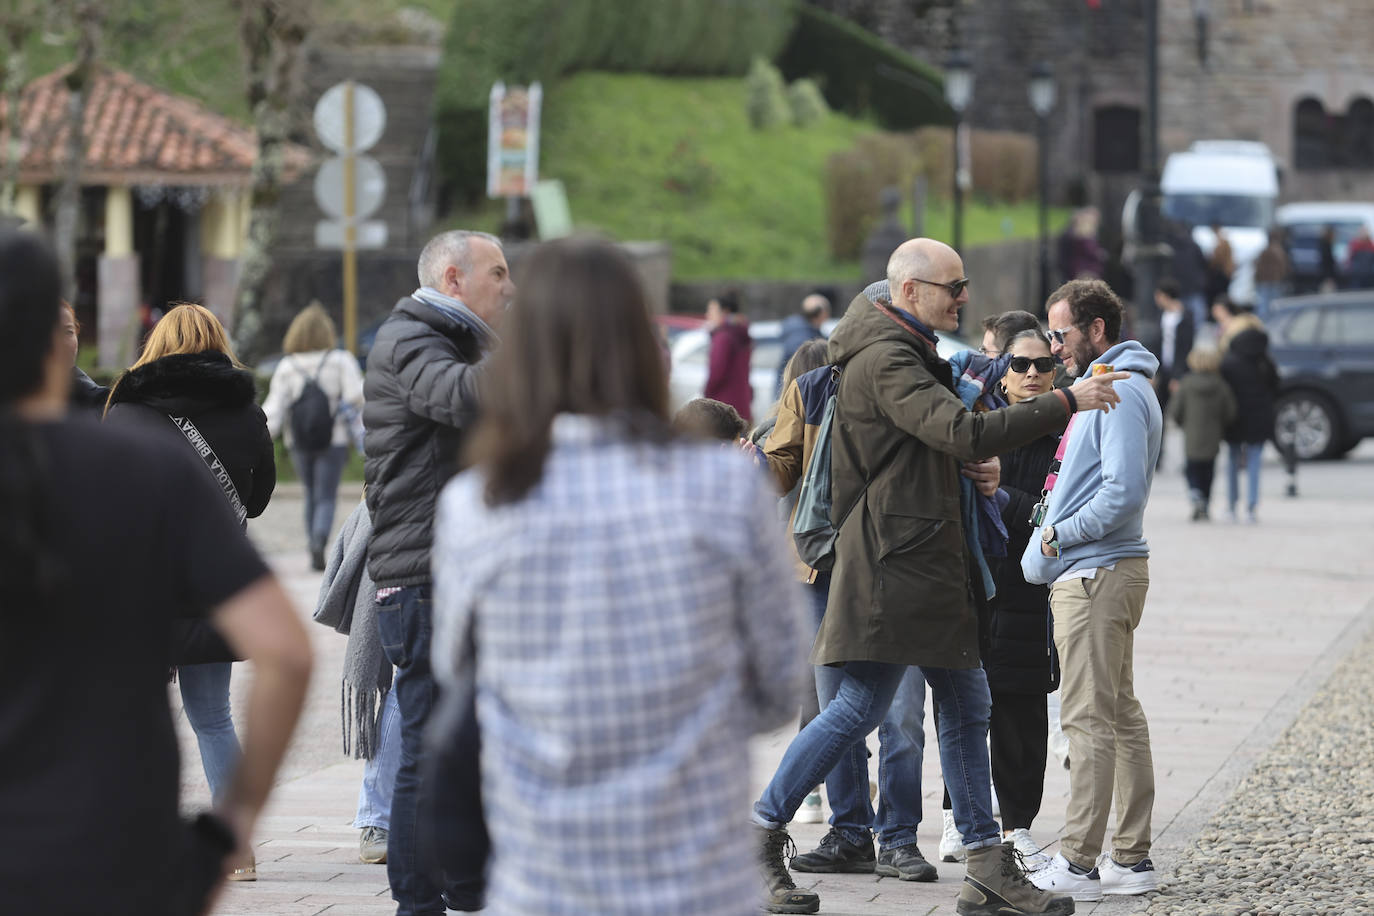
column 1304, row 224
column 691, row 353
column 1324, row 348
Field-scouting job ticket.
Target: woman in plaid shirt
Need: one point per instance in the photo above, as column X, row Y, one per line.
column 623, row 604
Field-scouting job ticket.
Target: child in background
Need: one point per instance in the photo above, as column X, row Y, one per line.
column 1203, row 406
column 704, row 418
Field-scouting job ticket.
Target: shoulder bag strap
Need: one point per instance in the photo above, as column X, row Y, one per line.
column 207, row 454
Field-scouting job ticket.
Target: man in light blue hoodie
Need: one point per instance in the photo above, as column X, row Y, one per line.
column 1092, row 552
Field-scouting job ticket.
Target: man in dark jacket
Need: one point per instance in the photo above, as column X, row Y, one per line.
column 900, row 592
column 421, row 400
column 799, row 328
column 1172, row 344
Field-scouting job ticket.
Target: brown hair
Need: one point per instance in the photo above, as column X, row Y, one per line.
column 578, row 339
column 706, row 418
column 310, row 330
column 67, row 307
column 186, row 328
column 1089, row 300
column 1204, row 359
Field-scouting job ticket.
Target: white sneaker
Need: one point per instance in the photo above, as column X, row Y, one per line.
column 1118, row 879
column 1059, row 878
column 1030, row 850
column 952, row 841
column 810, row 811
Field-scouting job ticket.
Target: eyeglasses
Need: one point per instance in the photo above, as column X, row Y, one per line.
column 1058, row 336
column 955, row 287
column 990, row 352
column 1043, row 364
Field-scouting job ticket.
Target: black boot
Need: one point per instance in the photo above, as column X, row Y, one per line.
column 783, row 894
column 836, row 854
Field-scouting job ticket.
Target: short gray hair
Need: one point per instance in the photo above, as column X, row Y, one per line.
column 452, row 247
column 906, row 263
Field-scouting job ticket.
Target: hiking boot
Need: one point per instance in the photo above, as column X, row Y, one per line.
column 372, row 846
column 951, row 841
column 783, row 894
column 810, row 811
column 996, row 885
column 1031, row 855
column 835, row 854
column 1139, row 878
column 905, row 863
column 1063, row 877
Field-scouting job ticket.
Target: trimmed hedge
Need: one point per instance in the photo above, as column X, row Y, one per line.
column 862, row 75
column 520, row 41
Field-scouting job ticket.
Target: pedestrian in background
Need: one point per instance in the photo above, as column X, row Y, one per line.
column 799, row 328
column 620, row 600
column 188, row 388
column 1221, row 265
column 1205, row 408
column 106, row 535
column 422, row 399
column 1254, row 379
column 703, row 418
column 1189, row 270
column 311, row 358
column 727, row 378
column 85, row 392
column 1271, row 273
column 1080, row 253
column 810, row 355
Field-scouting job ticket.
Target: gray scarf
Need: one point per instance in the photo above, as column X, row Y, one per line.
column 346, row 604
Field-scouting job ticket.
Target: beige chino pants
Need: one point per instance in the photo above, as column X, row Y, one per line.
column 1109, row 739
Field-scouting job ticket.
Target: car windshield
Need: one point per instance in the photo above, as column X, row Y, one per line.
column 1219, row 209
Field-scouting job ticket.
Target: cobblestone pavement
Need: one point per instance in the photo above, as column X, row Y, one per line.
column 1243, row 626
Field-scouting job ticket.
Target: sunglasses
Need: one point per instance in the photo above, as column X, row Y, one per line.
column 955, row 287
column 1043, row 364
column 1058, row 336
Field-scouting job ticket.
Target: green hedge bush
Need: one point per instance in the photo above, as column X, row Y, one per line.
column 861, row 74
column 520, row 41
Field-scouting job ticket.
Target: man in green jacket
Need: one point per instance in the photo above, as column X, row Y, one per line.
column 900, row 593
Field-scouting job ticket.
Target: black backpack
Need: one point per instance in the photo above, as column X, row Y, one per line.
column 312, row 422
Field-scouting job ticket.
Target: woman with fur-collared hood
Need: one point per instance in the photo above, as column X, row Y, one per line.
column 188, row 385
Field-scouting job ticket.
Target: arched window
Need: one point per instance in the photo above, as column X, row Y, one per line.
column 1359, row 134
column 1116, row 139
column 1311, row 136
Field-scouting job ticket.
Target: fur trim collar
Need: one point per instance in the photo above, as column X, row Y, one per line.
column 209, row 379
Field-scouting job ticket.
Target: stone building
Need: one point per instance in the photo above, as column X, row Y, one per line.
column 1297, row 76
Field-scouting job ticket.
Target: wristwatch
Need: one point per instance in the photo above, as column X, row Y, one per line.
column 1047, row 535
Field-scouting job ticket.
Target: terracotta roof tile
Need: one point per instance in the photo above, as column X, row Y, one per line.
column 135, row 133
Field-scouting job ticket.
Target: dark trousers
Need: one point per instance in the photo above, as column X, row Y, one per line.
column 1199, row 475
column 405, row 624
column 1019, row 736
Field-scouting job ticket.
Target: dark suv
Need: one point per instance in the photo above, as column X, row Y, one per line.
column 1324, row 347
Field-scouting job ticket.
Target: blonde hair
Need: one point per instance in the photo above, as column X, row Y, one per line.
column 186, row 328
column 310, row 330
column 1204, row 359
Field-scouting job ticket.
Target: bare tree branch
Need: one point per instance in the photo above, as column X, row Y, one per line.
column 86, row 17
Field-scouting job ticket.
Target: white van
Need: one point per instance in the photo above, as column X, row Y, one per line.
column 1231, row 183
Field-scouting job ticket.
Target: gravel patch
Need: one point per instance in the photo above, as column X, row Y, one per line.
column 1297, row 837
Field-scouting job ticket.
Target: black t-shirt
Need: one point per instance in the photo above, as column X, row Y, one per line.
column 88, row 754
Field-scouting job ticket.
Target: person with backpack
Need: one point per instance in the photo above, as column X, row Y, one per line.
column 314, row 401
column 899, row 583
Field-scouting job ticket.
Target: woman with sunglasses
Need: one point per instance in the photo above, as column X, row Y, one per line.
column 1018, row 654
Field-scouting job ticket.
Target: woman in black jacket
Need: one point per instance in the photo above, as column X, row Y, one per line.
column 1017, row 649
column 1250, row 371
column 188, row 386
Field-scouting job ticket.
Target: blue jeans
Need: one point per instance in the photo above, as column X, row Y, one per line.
column 205, row 696
column 901, row 748
column 861, row 703
column 319, row 473
column 405, row 624
column 1250, row 453
column 1266, row 293
column 379, row 776
column 1197, row 307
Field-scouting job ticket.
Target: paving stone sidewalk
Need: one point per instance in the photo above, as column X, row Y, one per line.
column 1242, row 627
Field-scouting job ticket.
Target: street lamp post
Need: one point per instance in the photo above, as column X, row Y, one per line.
column 1042, row 93
column 958, row 91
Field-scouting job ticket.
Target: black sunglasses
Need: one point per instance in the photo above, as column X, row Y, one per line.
column 955, row 287
column 1043, row 364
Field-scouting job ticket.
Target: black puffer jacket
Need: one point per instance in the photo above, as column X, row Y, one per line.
column 1017, row 650
column 420, row 400
column 1249, row 370
column 220, row 400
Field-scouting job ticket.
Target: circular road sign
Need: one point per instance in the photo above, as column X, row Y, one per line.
column 369, row 117
column 369, row 187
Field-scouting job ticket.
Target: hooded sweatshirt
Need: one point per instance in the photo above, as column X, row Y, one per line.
column 1097, row 506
